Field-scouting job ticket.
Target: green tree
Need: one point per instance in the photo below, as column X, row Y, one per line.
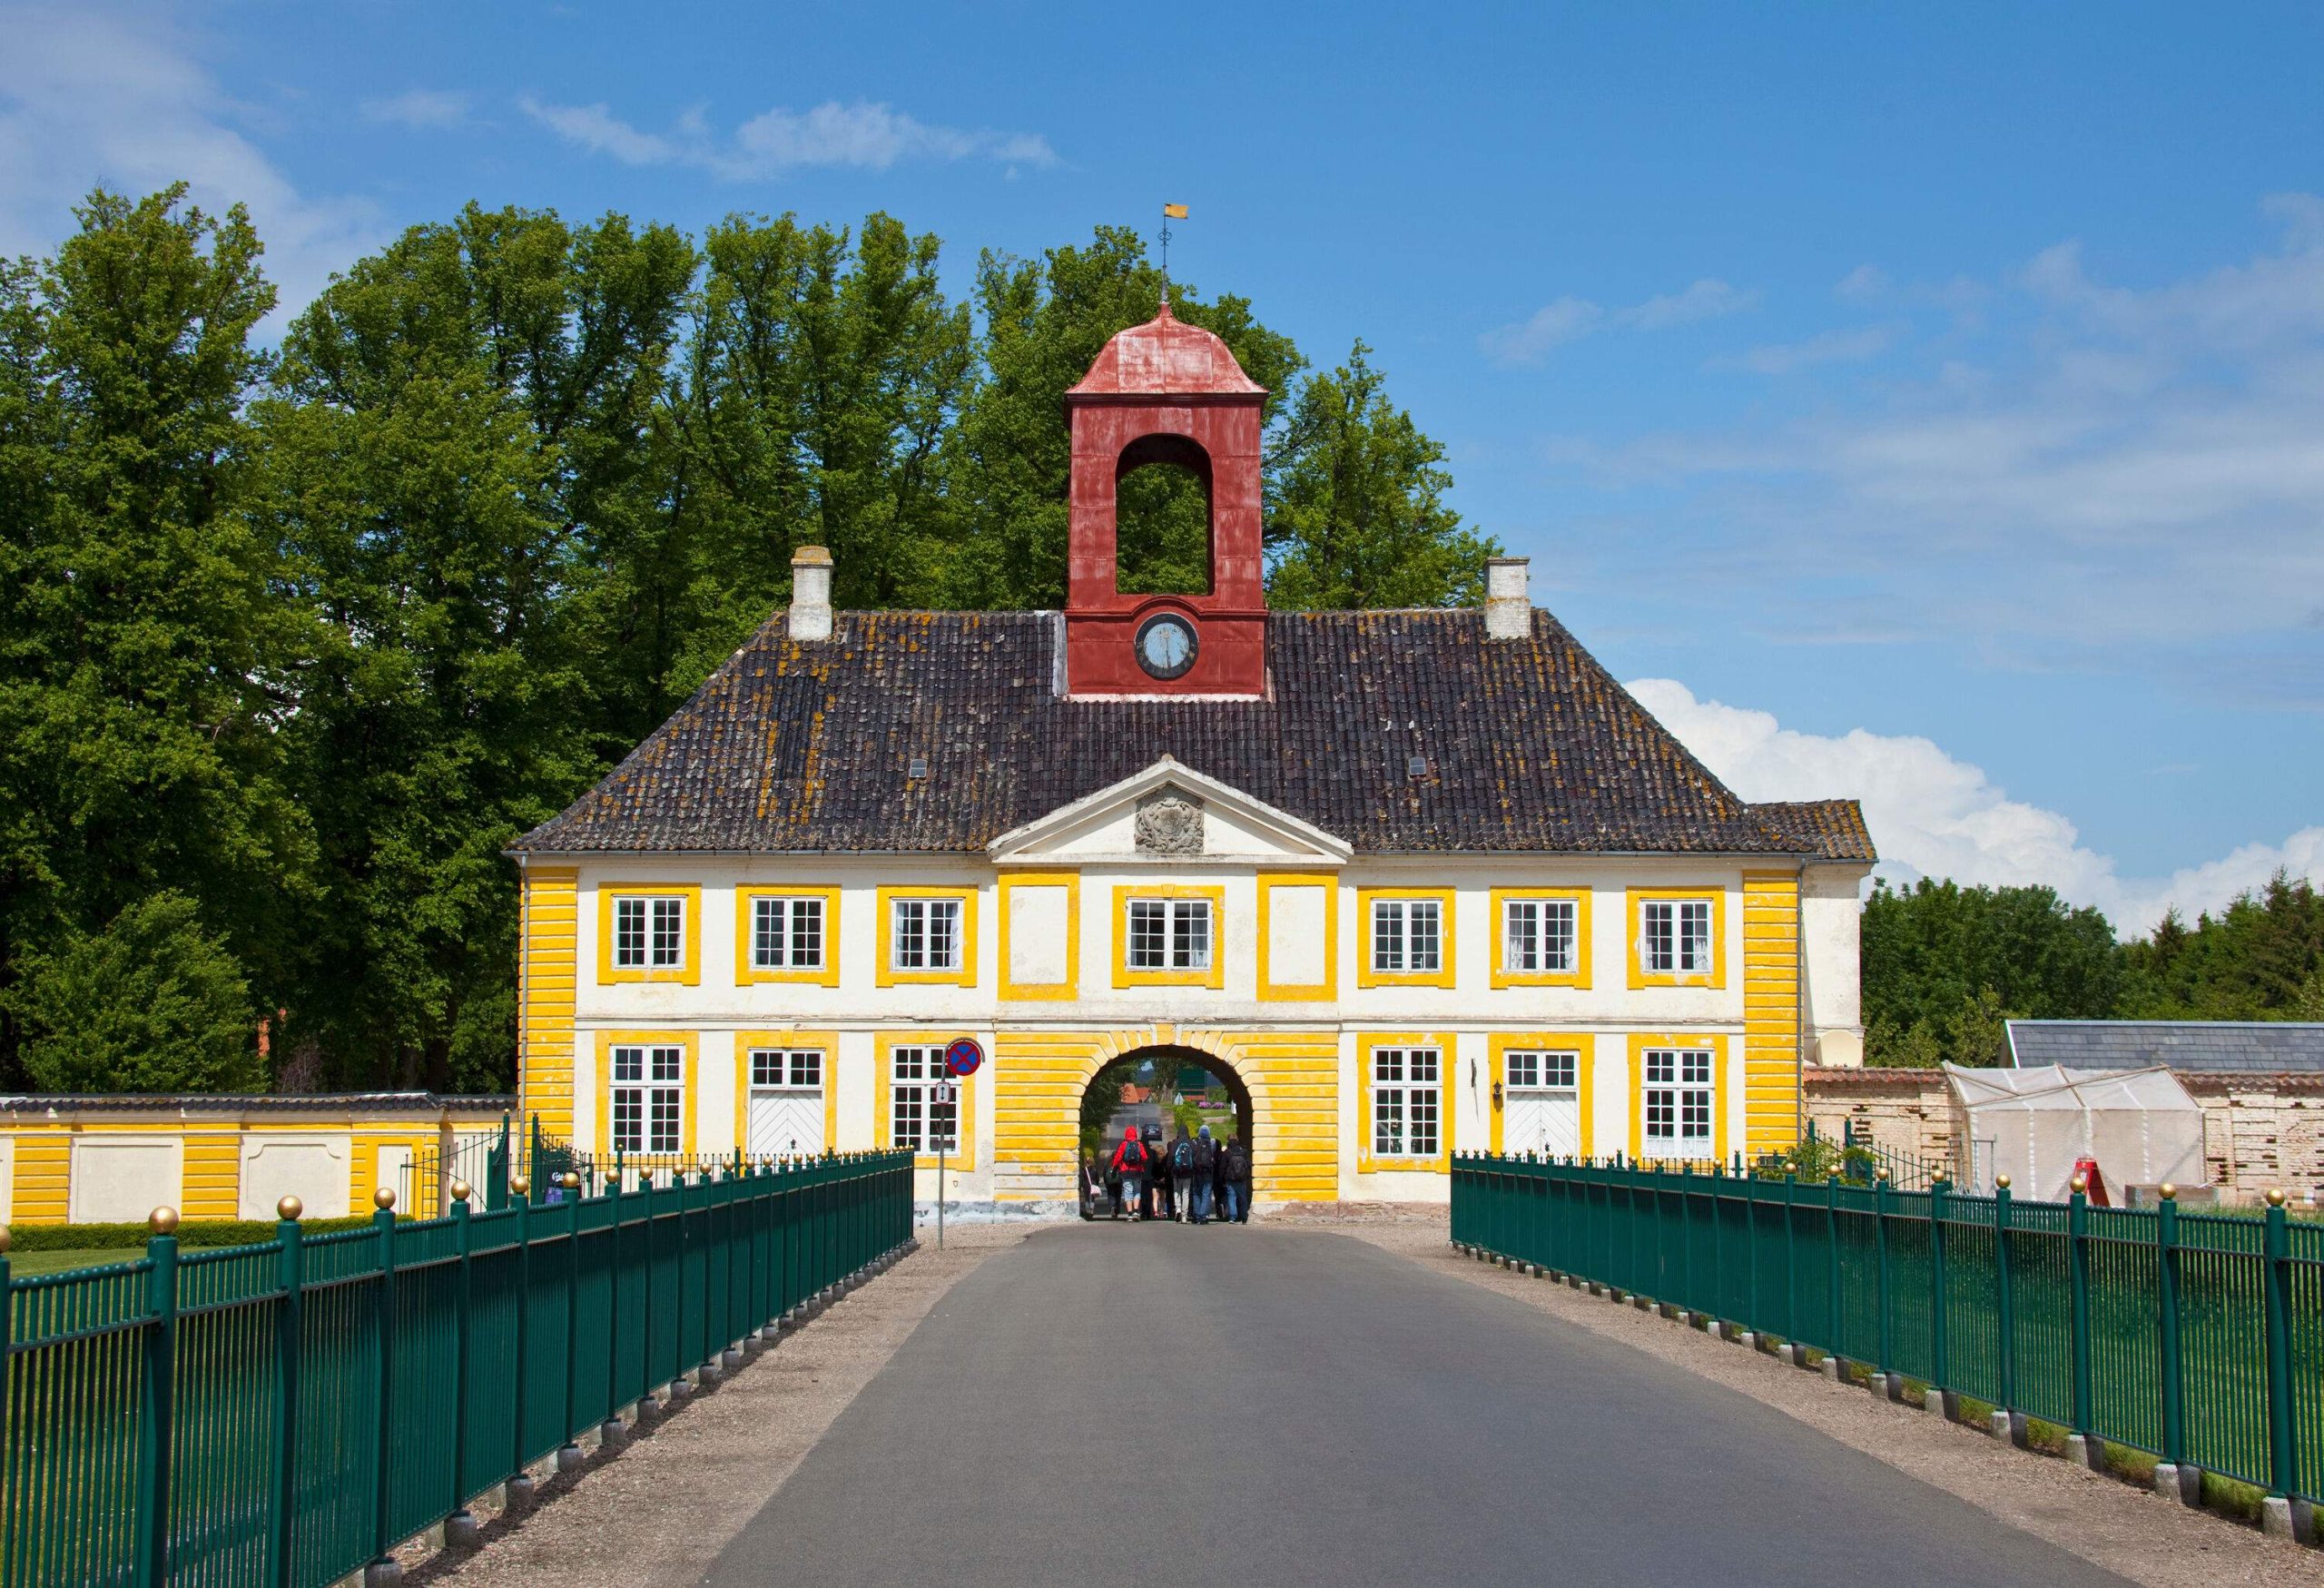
column 148, row 646
column 2259, row 959
column 1010, row 461
column 154, row 1002
column 1944, row 966
column 1356, row 513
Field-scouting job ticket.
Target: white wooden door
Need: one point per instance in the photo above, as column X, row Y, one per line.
column 786, row 1123
column 1541, row 1113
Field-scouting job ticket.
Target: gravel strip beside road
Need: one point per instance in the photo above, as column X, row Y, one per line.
column 659, row 1514
column 2110, row 1523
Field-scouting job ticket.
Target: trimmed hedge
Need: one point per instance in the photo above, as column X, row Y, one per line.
column 204, row 1234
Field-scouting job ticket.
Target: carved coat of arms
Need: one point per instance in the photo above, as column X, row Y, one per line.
column 1170, row 823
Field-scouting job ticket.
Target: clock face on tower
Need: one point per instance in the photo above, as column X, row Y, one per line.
column 1166, row 645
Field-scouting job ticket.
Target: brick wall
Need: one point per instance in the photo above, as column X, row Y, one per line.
column 1905, row 1110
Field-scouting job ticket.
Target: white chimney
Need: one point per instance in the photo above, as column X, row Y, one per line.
column 811, row 593
column 1509, row 604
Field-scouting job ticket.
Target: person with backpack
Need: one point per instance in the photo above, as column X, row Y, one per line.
column 1182, row 1172
column 1239, row 1180
column 1206, row 1171
column 1157, row 1175
column 1129, row 1163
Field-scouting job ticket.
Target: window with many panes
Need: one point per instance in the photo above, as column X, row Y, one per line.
column 1678, row 1102
column 925, row 935
column 649, row 932
column 1169, row 935
column 795, row 1068
column 1674, row 937
column 1541, row 1071
column 1407, row 1098
column 647, row 1098
column 919, row 1118
column 1407, row 936
column 1540, row 937
column 787, row 934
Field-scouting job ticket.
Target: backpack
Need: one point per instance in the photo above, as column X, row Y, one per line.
column 1206, row 1158
column 1134, row 1157
column 1182, row 1157
column 1238, row 1162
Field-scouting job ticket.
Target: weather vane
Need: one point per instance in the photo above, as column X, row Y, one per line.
column 1169, row 212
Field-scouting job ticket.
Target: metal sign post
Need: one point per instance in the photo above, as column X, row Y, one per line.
column 963, row 1057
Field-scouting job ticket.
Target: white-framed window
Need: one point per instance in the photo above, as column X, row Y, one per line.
column 649, row 932
column 648, row 1098
column 917, row 1120
column 787, row 934
column 786, row 1108
column 925, row 934
column 1539, row 936
column 1407, row 936
column 1407, row 1098
column 1674, row 937
column 1678, row 1098
column 1533, row 1071
column 1169, row 935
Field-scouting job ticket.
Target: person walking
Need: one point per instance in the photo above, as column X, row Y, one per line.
column 1129, row 1163
column 1157, row 1174
column 1206, row 1171
column 1093, row 1186
column 1222, row 1188
column 1239, row 1180
column 1182, row 1172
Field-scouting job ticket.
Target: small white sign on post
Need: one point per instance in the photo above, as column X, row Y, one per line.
column 943, row 1094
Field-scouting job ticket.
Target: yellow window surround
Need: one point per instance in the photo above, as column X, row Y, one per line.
column 687, row 972
column 1447, row 1047
column 824, row 1042
column 884, row 1081
column 1274, row 992
column 1365, row 976
column 887, row 975
column 687, row 1099
column 1213, row 975
column 1634, row 946
column 1502, row 976
column 1581, row 1044
column 1683, row 1041
column 746, row 937
column 1015, row 991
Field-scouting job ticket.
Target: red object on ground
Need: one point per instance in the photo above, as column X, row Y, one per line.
column 2088, row 1169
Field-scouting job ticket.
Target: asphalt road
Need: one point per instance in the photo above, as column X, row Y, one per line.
column 1127, row 1404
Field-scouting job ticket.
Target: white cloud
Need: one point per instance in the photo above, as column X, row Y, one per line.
column 1570, row 318
column 1831, row 347
column 426, row 109
column 1933, row 815
column 89, row 95
column 863, row 135
column 1862, row 284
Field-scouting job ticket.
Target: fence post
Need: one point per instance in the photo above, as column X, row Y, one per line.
column 1940, row 1345
column 1791, row 1264
column 2173, row 1482
column 1832, row 1263
column 2091, row 1451
column 2005, row 1421
column 568, row 1454
column 1884, row 1368
column 158, row 1400
column 460, row 1522
column 2283, row 1453
column 281, row 1492
column 611, row 1432
column 383, row 1564
column 519, row 1487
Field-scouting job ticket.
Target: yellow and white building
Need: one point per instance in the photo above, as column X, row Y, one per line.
column 1412, row 882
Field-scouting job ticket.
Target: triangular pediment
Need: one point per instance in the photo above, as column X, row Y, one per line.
column 1169, row 813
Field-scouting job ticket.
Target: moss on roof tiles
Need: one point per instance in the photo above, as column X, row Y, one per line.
column 1532, row 746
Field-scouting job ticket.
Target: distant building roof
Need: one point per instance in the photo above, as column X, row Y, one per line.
column 2266, row 1047
column 369, row 1102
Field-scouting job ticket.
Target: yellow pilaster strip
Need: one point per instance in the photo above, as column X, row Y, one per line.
column 550, row 925
column 43, row 1191
column 213, row 1175
column 1771, row 1109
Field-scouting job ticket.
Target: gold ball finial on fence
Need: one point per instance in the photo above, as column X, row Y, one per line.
column 462, row 1190
column 2002, row 1181
column 2167, row 1191
column 289, row 1208
column 6, row 1238
column 162, row 1220
column 384, row 1199
column 2080, row 1183
column 520, row 1184
column 2275, row 1196
column 1882, row 1174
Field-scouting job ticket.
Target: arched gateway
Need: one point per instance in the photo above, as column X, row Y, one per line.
column 1420, row 881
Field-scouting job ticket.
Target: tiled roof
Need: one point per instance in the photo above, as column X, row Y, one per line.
column 1529, row 746
column 2278, row 1047
column 366, row 1103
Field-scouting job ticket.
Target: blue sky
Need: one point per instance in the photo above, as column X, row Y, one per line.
column 1927, row 405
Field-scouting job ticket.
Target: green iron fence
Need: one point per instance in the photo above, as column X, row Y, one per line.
column 284, row 1413
column 2196, row 1338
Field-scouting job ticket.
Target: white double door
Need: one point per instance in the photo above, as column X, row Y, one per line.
column 786, row 1122
column 1543, row 1111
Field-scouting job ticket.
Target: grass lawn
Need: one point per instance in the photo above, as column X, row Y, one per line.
column 24, row 1265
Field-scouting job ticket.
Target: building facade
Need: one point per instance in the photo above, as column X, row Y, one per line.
column 1409, row 883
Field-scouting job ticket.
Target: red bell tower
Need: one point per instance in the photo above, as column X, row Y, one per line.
column 1166, row 392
